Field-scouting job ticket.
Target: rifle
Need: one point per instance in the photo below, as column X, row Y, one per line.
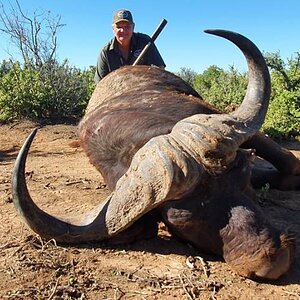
column 153, row 38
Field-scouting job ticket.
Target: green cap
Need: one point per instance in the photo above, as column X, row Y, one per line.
column 122, row 15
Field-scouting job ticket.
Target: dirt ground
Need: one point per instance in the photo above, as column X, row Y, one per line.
column 62, row 182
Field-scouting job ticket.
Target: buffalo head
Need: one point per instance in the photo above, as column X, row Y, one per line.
column 166, row 155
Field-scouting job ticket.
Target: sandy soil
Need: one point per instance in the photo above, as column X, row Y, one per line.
column 62, row 182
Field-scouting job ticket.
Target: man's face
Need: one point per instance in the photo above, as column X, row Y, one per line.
column 123, row 32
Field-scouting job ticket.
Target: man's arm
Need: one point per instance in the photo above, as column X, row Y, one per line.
column 101, row 67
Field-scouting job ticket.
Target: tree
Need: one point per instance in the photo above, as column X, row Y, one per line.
column 34, row 36
column 40, row 87
column 5, row 67
column 188, row 75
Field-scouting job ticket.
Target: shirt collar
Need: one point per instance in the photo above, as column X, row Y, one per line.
column 113, row 44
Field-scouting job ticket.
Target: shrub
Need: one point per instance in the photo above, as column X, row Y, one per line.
column 50, row 92
column 283, row 117
column 224, row 90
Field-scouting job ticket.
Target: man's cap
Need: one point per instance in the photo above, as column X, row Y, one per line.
column 122, row 15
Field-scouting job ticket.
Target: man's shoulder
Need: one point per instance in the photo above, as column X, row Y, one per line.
column 108, row 46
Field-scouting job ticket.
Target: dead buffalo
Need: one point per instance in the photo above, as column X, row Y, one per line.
column 168, row 156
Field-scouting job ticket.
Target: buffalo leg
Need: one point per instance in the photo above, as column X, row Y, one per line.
column 287, row 175
column 261, row 177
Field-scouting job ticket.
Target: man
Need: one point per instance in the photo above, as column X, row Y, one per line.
column 125, row 47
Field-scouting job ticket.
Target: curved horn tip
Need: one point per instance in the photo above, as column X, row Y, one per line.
column 22, row 155
column 212, row 31
column 221, row 32
column 33, row 132
column 30, row 138
column 209, row 30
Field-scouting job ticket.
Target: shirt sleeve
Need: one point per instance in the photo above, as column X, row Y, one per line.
column 102, row 67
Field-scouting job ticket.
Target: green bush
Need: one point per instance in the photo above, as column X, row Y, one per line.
column 283, row 117
column 52, row 92
column 21, row 92
column 57, row 92
column 224, row 90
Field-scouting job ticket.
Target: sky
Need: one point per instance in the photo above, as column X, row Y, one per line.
column 272, row 25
